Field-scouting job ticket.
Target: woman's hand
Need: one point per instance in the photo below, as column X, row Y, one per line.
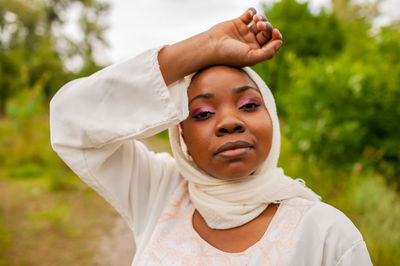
column 236, row 43
column 233, row 42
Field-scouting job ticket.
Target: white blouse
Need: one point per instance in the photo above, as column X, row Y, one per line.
column 95, row 123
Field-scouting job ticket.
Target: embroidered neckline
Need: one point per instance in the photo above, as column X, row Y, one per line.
column 189, row 223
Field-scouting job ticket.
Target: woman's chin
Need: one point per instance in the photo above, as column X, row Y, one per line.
column 233, row 175
column 232, row 170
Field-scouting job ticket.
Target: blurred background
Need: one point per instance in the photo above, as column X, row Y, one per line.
column 336, row 81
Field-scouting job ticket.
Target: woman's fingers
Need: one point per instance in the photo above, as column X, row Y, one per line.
column 262, row 38
column 276, row 35
column 256, row 18
column 267, row 51
column 253, row 26
column 265, row 26
column 261, row 28
column 264, row 33
column 247, row 16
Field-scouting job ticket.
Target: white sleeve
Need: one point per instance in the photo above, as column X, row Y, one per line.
column 94, row 122
column 357, row 255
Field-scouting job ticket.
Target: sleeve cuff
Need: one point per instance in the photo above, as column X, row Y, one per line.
column 177, row 91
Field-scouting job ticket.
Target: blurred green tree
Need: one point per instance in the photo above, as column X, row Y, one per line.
column 34, row 50
column 337, row 84
column 305, row 36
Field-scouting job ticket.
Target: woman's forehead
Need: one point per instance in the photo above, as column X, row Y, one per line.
column 219, row 78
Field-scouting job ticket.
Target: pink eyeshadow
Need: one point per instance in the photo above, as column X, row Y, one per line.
column 248, row 100
column 202, row 109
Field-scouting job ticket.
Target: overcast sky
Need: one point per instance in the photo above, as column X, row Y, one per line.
column 136, row 25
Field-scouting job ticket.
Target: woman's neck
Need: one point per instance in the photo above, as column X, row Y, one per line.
column 235, row 239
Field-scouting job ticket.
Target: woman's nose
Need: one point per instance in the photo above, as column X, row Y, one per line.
column 229, row 124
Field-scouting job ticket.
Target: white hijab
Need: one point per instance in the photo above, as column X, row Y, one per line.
column 225, row 203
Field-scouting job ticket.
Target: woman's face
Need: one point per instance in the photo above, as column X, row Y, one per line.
column 228, row 132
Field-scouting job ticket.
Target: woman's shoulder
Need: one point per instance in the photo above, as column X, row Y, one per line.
column 325, row 225
column 323, row 232
column 325, row 217
column 327, row 231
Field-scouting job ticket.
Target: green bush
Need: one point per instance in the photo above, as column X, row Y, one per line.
column 337, row 87
column 375, row 209
column 343, row 112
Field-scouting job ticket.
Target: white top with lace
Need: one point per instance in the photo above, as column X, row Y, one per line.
column 297, row 235
column 95, row 124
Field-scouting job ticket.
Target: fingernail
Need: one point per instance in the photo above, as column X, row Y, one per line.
column 251, row 11
column 267, row 26
column 260, row 17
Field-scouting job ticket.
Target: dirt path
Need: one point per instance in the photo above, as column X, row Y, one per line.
column 116, row 248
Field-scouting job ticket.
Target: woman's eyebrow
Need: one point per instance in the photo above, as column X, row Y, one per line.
column 204, row 96
column 245, row 88
column 235, row 90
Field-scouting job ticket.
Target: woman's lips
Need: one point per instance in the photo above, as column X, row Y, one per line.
column 234, row 153
column 233, row 149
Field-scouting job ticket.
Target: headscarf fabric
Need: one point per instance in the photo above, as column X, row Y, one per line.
column 227, row 204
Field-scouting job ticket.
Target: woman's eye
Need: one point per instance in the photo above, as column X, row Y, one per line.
column 203, row 115
column 249, row 106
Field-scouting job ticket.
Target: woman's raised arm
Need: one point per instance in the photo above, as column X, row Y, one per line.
column 95, row 121
column 237, row 42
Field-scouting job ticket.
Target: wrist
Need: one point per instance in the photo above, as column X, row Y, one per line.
column 209, row 51
column 188, row 56
column 202, row 50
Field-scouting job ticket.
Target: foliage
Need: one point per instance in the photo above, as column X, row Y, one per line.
column 380, row 230
column 32, row 49
column 330, row 126
column 305, row 35
column 5, row 239
column 337, row 86
column 25, row 142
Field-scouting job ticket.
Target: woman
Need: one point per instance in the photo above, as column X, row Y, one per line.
column 221, row 200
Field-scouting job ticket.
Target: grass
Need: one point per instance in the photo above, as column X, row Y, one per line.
column 46, row 227
column 47, row 215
